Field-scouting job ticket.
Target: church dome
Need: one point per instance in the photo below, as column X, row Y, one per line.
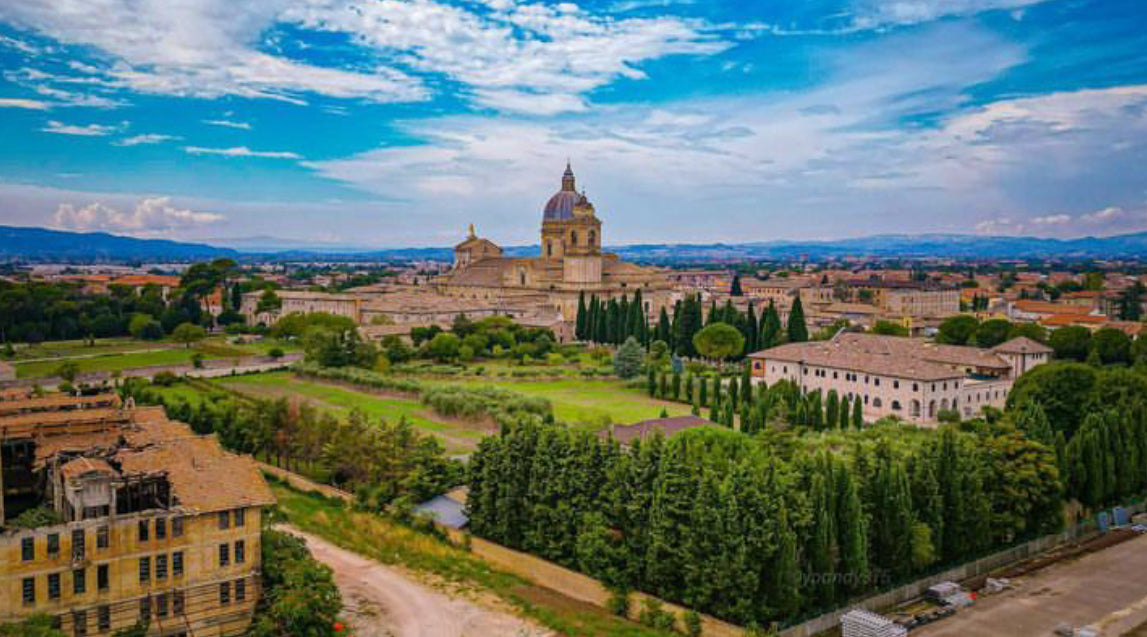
column 561, row 205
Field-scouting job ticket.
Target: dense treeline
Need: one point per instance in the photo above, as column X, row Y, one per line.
column 380, row 461
column 614, row 321
column 768, row 528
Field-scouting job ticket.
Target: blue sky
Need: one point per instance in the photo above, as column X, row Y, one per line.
column 379, row 123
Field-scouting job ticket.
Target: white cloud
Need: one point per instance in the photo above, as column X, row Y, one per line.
column 226, row 123
column 35, row 105
column 528, row 57
column 151, row 216
column 240, row 151
column 89, row 130
column 878, row 13
column 147, row 138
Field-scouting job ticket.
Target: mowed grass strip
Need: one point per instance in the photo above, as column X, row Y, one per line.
column 594, row 403
column 389, row 543
column 457, row 437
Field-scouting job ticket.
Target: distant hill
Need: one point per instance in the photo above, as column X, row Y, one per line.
column 41, row 244
column 38, row 244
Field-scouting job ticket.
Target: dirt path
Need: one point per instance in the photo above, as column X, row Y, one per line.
column 381, row 601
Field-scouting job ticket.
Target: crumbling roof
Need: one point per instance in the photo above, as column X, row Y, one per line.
column 203, row 477
column 82, row 466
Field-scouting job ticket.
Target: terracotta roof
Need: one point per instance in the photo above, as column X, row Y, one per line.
column 203, row 477
column 139, row 280
column 626, row 434
column 893, row 356
column 1073, row 319
column 1022, row 345
column 483, row 272
column 82, row 466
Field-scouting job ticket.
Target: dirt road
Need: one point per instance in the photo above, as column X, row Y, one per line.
column 1106, row 590
column 384, row 602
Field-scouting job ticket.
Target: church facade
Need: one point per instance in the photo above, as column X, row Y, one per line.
column 571, row 262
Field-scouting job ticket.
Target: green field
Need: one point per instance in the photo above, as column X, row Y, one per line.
column 457, row 437
column 109, row 355
column 594, row 403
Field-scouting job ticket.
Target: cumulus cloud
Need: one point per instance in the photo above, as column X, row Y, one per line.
column 240, row 151
column 151, row 216
column 88, row 130
column 34, row 105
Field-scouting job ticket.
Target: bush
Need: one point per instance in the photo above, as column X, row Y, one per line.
column 618, row 603
column 164, row 379
column 275, row 352
column 692, row 621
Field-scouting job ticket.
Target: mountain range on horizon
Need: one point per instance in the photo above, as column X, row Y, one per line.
column 43, row 244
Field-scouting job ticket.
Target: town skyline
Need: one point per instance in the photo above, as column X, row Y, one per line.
column 832, row 120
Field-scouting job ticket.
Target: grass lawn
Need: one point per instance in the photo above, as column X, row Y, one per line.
column 594, row 403
column 456, row 437
column 389, row 543
column 64, row 349
column 111, row 362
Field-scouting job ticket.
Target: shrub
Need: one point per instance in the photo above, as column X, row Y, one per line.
column 164, row 379
column 275, row 352
column 618, row 603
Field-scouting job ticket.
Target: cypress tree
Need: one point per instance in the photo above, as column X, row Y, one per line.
column 784, row 585
column 676, row 386
column 831, row 411
column 844, row 413
column 733, row 390
column 664, row 332
column 752, row 331
column 797, row 329
column 664, row 386
column 770, row 328
column 746, row 385
column 579, row 330
column 714, row 315
column 715, row 411
column 669, row 520
column 730, row 413
column 717, row 388
column 853, row 534
column 651, row 381
column 822, row 543
column 703, row 400
column 736, row 290
column 857, row 414
column 623, row 319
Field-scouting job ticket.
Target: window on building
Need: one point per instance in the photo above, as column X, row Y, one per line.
column 54, row 544
column 177, row 527
column 161, row 567
column 177, row 602
column 143, row 531
column 104, row 618
column 177, row 563
column 224, row 520
column 895, row 384
column 80, row 623
column 240, row 590
column 876, row 402
column 54, row 586
column 240, row 517
column 102, row 538
column 144, row 570
column 79, row 581
column 145, row 609
column 224, row 555
column 161, row 529
column 915, row 387
column 28, row 586
column 103, row 579
column 225, row 593
column 876, row 381
column 161, row 605
column 78, row 544
column 240, row 552
column 28, row 549
column 896, row 405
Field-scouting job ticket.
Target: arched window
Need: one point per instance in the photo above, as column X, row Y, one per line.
column 915, row 411
column 896, row 405
column 592, row 237
column 522, row 277
column 549, row 249
column 876, row 402
column 573, row 237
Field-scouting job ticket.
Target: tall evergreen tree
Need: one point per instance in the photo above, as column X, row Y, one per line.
column 831, row 410
column 770, row 328
column 857, row 414
column 580, row 330
column 797, row 329
column 664, row 332
column 736, row 290
column 752, row 331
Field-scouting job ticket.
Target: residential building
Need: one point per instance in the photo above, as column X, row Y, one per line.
column 911, row 378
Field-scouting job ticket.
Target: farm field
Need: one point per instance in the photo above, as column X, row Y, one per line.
column 458, row 437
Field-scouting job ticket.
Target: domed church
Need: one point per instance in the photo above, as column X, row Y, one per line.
column 571, row 262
